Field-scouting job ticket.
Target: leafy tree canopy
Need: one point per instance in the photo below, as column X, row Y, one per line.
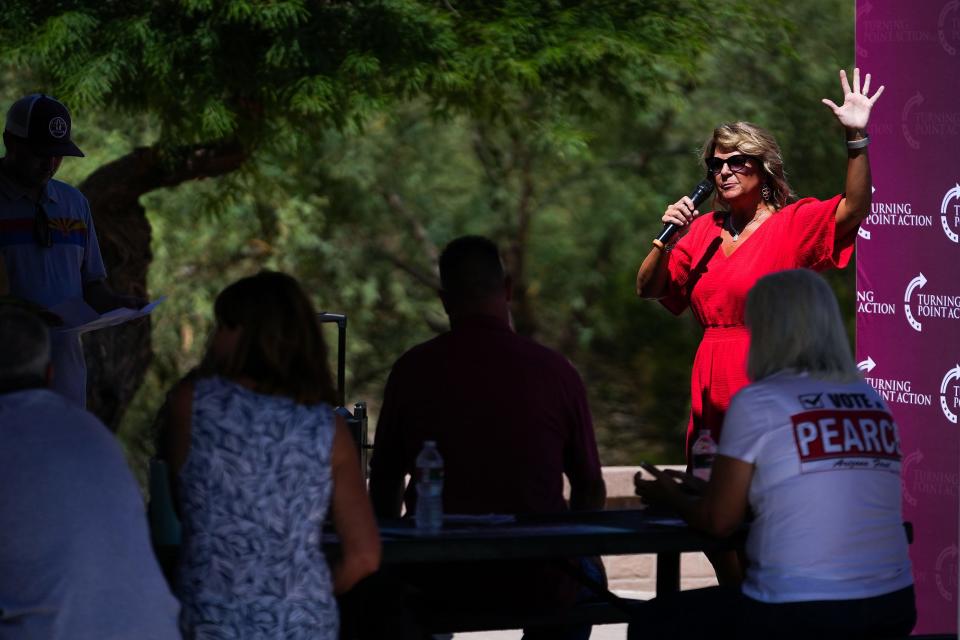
column 215, row 69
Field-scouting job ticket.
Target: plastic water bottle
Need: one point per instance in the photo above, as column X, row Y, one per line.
column 704, row 450
column 429, row 514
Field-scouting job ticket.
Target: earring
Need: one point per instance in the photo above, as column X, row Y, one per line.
column 765, row 193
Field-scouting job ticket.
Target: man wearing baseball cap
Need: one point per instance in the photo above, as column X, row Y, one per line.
column 48, row 244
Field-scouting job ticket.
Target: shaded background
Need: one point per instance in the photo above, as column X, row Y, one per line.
column 346, row 143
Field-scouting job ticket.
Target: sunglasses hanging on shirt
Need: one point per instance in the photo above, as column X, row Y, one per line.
column 41, row 227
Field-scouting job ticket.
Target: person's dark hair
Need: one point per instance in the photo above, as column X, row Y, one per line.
column 280, row 346
column 26, row 351
column 470, row 268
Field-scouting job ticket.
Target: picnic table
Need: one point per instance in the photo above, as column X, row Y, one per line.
column 479, row 538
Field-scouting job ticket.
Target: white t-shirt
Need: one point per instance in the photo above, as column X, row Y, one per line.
column 825, row 490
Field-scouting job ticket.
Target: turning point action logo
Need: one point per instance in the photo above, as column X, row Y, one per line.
column 901, row 214
column 928, row 305
column 916, row 124
column 950, row 213
column 893, row 390
column 926, row 484
column 884, row 213
column 948, row 26
column 919, row 281
column 946, row 572
column 871, row 31
column 915, row 457
column 950, row 394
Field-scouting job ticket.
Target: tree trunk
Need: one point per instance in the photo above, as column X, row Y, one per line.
column 118, row 357
column 522, row 306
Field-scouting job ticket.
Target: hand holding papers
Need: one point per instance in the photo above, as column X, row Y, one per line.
column 79, row 317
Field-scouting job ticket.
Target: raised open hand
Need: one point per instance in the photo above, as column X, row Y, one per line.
column 854, row 113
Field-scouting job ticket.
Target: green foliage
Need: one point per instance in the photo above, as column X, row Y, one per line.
column 381, row 130
column 213, row 69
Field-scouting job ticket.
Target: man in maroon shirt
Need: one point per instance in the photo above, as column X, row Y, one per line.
column 510, row 418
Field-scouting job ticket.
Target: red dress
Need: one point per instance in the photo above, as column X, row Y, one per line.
column 715, row 286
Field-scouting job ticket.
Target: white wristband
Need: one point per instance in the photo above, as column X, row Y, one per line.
column 858, row 144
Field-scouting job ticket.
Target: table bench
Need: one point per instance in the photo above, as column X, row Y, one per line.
column 599, row 533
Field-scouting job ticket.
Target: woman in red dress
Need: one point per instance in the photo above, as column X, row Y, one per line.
column 759, row 227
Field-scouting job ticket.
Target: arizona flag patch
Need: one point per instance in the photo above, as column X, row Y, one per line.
column 833, row 439
column 66, row 225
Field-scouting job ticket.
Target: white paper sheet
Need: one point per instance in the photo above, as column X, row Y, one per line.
column 79, row 317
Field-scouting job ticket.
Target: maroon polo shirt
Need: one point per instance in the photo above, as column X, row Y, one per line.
column 510, row 418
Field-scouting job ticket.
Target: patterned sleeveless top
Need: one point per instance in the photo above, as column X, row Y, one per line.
column 254, row 492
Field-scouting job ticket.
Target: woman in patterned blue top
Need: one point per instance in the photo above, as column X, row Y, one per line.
column 259, row 456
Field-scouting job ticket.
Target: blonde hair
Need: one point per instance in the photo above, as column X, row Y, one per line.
column 795, row 323
column 751, row 140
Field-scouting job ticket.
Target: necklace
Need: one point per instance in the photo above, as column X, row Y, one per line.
column 734, row 234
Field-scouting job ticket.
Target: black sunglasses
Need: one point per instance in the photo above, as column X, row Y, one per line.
column 736, row 163
column 41, row 227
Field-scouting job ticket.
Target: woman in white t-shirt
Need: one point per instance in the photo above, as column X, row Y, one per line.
column 812, row 451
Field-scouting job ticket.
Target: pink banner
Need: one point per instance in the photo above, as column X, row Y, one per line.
column 908, row 289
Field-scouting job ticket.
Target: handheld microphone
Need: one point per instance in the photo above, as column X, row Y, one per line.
column 698, row 195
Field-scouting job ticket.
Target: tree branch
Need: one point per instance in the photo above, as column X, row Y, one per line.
column 398, row 206
column 430, row 281
column 489, row 155
column 523, row 314
column 118, row 358
column 120, row 183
